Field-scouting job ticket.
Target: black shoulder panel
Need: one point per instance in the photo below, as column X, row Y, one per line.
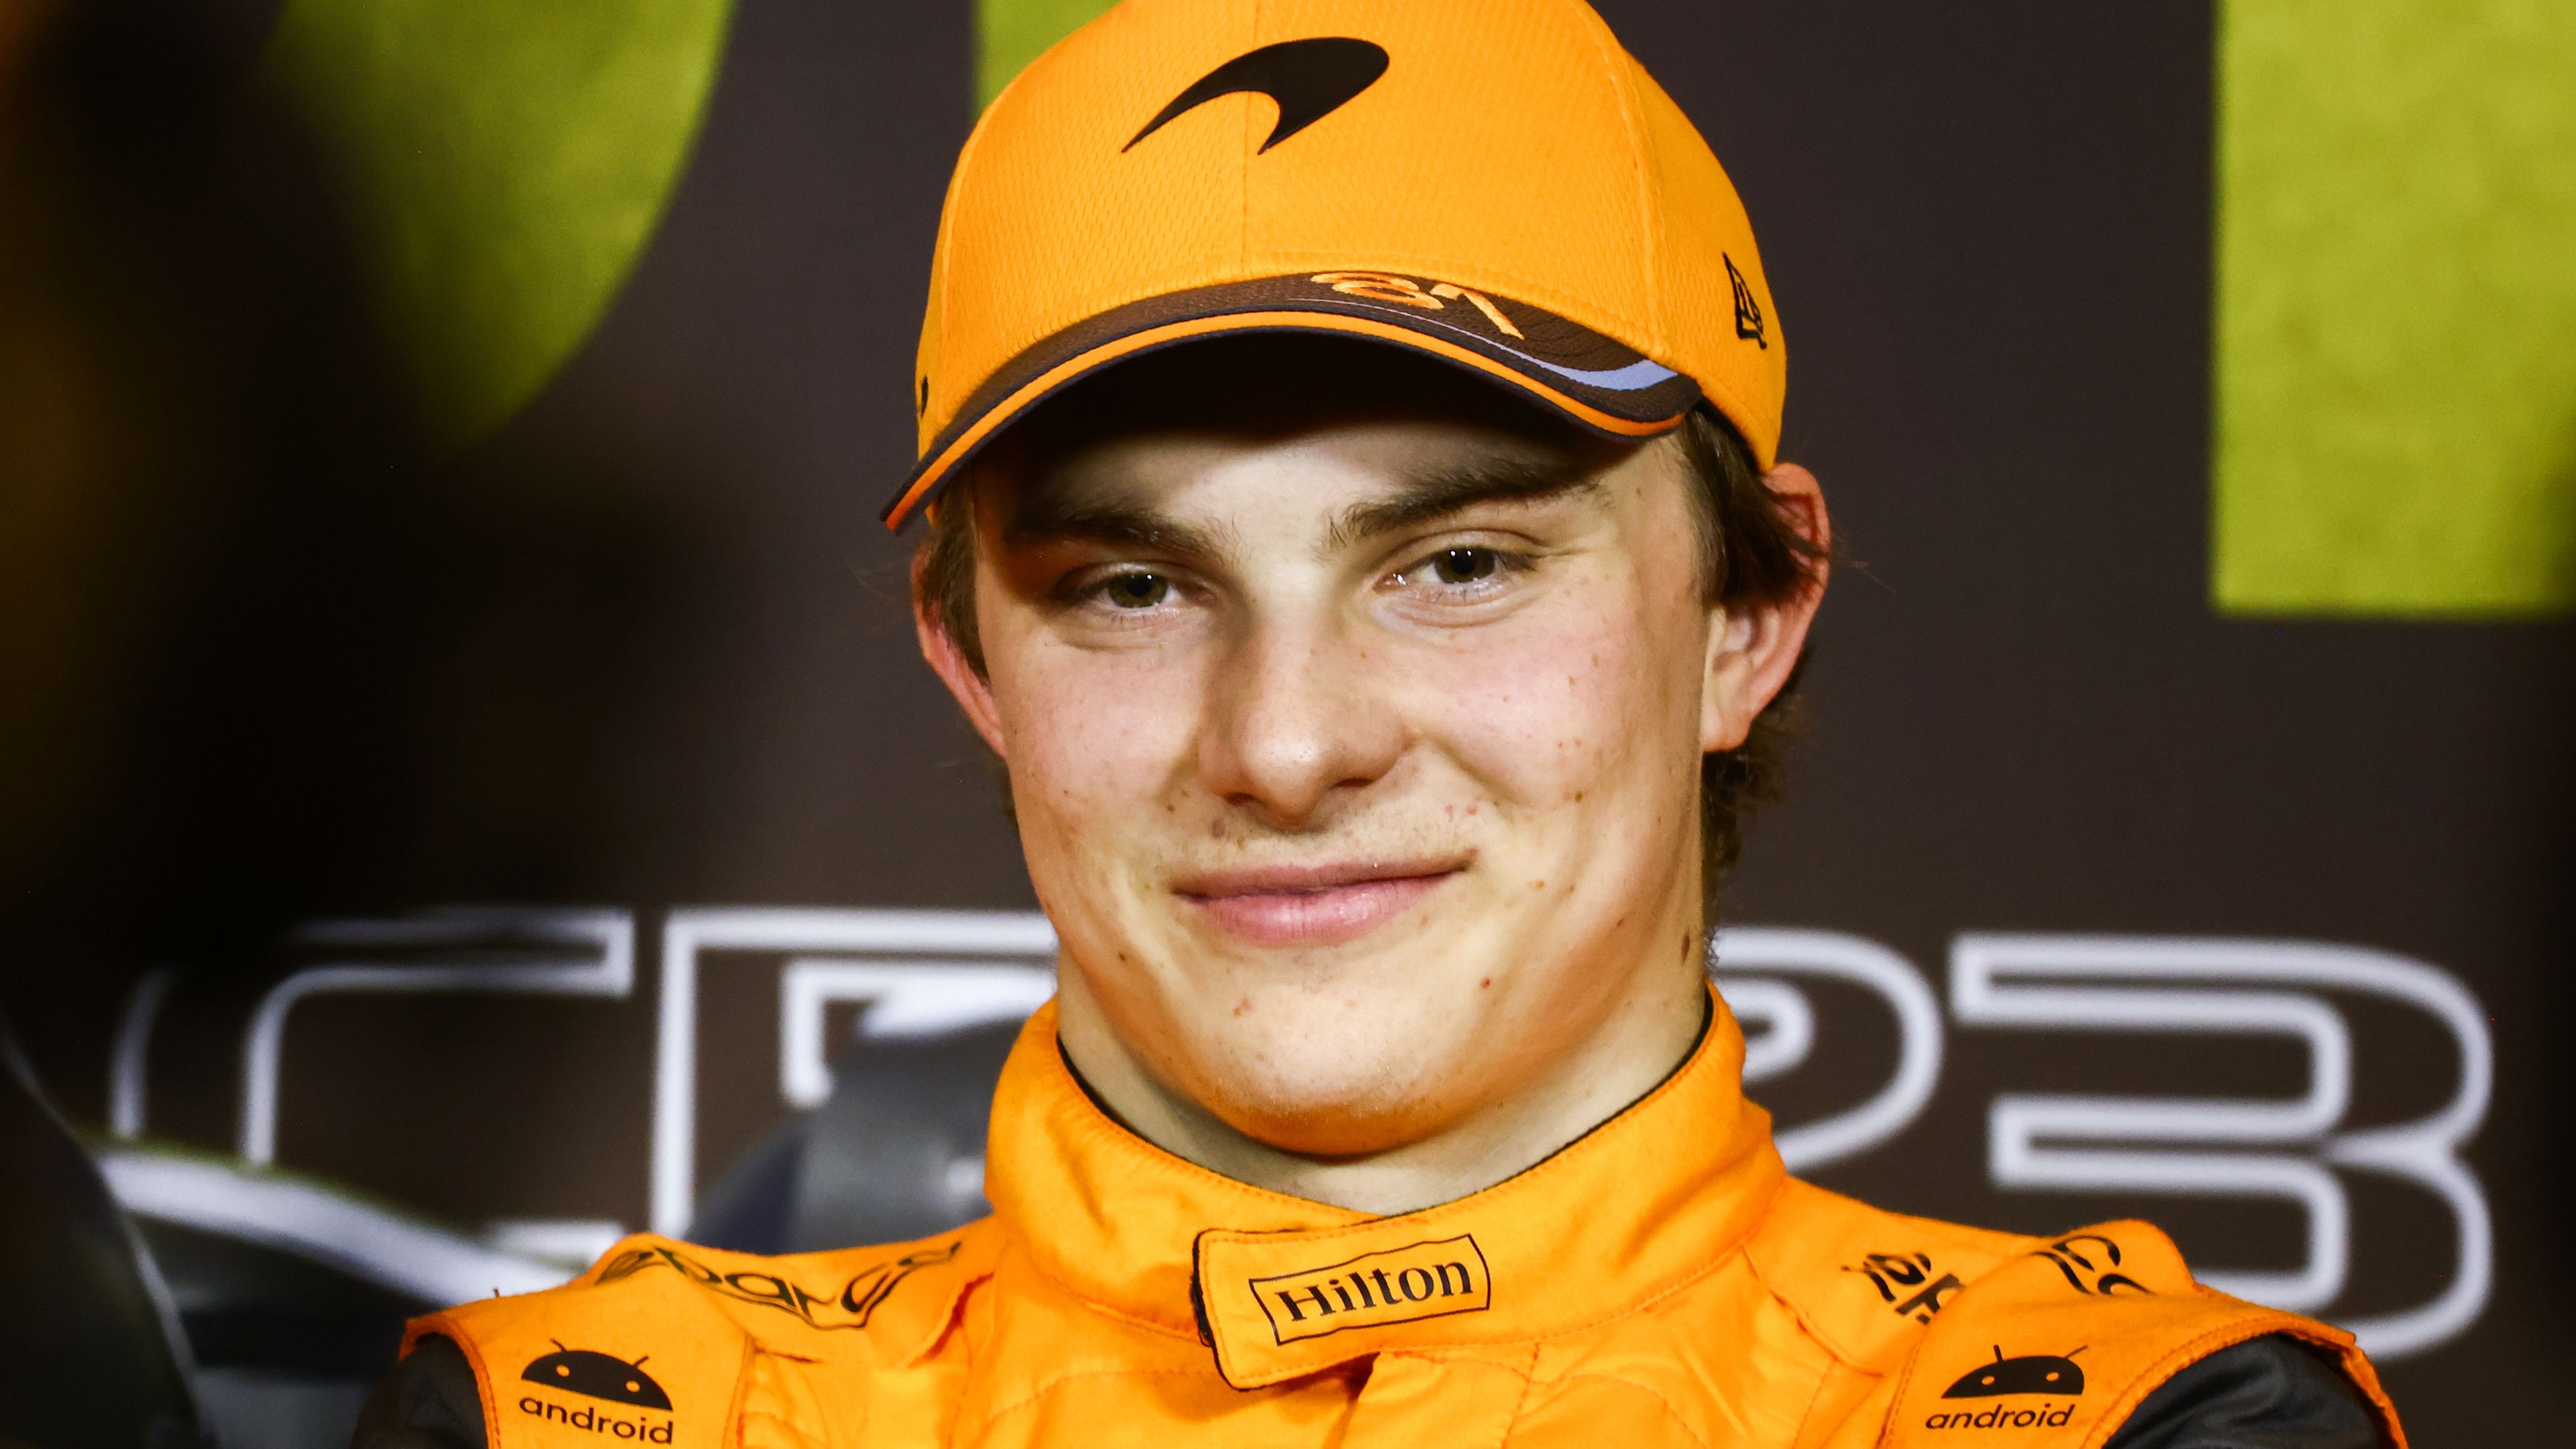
column 2265, row 1393
column 428, row 1402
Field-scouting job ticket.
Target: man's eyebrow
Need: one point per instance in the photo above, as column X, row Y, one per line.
column 1053, row 516
column 1447, row 490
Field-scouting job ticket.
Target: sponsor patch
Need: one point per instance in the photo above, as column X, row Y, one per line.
column 850, row 1305
column 2087, row 1261
column 604, row 1377
column 1424, row 1280
column 2035, row 1373
column 599, row 1375
column 1748, row 312
column 1905, row 1283
column 2041, row 1375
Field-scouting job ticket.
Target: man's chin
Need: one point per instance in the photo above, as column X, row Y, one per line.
column 1331, row 1074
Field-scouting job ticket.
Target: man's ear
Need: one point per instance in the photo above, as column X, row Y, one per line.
column 1753, row 649
column 973, row 692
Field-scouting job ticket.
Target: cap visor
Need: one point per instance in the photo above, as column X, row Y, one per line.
column 1591, row 378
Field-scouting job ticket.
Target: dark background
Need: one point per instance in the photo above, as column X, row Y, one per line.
column 273, row 659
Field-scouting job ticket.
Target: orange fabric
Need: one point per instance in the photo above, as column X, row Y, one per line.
column 1661, row 1281
column 1509, row 147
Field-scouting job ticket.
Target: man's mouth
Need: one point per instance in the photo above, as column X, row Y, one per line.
column 1314, row 905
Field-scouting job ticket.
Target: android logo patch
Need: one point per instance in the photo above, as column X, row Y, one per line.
column 2037, row 1373
column 598, row 1375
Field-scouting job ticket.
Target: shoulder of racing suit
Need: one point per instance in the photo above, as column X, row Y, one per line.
column 2093, row 1338
column 664, row 1343
column 2088, row 1335
column 2270, row 1391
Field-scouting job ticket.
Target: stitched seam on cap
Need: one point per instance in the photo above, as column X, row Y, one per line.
column 1243, row 154
column 1650, row 212
column 943, row 260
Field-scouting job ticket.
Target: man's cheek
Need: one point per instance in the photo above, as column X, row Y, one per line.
column 1536, row 716
column 1097, row 733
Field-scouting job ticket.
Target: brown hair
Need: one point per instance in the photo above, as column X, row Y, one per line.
column 1752, row 554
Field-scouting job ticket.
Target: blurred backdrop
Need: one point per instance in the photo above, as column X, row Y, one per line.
column 467, row 790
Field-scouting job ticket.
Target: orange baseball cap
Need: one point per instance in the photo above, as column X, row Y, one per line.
column 1491, row 182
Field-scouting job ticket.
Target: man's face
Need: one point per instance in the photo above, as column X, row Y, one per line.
column 1356, row 765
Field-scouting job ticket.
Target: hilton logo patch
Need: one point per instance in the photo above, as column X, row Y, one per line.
column 1425, row 1280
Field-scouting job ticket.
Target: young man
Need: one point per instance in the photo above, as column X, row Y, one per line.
column 1349, row 432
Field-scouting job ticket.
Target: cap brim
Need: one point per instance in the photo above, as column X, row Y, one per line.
column 1591, row 378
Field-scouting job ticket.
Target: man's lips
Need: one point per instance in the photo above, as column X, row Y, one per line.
column 1313, row 905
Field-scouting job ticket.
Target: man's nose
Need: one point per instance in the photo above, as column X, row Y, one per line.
column 1292, row 720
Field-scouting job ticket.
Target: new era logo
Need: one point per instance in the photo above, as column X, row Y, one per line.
column 1748, row 312
column 1424, row 1280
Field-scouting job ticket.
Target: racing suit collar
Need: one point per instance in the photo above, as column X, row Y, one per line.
column 1280, row 1287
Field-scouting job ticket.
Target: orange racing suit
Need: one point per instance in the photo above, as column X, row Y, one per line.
column 1662, row 1280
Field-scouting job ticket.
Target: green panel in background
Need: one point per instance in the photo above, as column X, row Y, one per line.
column 1011, row 33
column 508, row 162
column 2396, row 316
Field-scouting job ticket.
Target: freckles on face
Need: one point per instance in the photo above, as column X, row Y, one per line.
column 1342, row 828
column 1572, row 743
column 1577, row 723
column 1095, row 746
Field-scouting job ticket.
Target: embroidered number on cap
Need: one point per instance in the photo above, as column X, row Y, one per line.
column 1387, row 287
column 1379, row 287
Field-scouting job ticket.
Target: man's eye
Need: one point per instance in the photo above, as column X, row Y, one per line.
column 1464, row 565
column 1136, row 590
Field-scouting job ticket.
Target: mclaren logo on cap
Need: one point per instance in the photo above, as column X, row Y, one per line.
column 1309, row 79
